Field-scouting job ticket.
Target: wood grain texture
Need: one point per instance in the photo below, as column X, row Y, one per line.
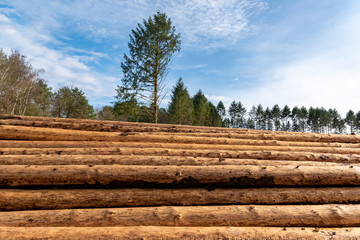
column 190, row 216
column 17, row 199
column 177, row 176
column 171, row 233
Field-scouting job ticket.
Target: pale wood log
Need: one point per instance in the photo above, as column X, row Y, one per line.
column 241, row 143
column 260, row 155
column 31, row 133
column 150, row 160
column 185, row 176
column 172, row 233
column 194, row 216
column 87, row 144
column 129, row 126
column 16, row 199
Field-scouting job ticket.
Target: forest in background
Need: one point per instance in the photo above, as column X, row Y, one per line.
column 23, row 92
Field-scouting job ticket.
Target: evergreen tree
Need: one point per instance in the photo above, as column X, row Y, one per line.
column 237, row 114
column 181, row 107
column 303, row 116
column 260, row 118
column 220, row 108
column 285, row 114
column 201, row 109
column 350, row 120
column 268, row 119
column 151, row 46
column 276, row 114
column 295, row 117
column 358, row 121
column 337, row 124
column 214, row 116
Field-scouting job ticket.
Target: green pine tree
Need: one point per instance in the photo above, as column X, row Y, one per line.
column 181, row 107
column 201, row 109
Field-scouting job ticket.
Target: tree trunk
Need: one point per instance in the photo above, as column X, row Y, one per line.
column 17, row 200
column 150, row 160
column 174, row 146
column 30, row 133
column 155, row 232
column 190, row 216
column 177, row 176
column 221, row 154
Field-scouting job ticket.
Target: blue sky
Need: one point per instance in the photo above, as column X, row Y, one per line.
column 302, row 52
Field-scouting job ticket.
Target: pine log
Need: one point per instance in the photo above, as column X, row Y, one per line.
column 17, row 200
column 49, row 134
column 95, row 144
column 241, row 143
column 260, row 155
column 180, row 176
column 190, row 216
column 150, row 160
column 129, row 126
column 172, row 233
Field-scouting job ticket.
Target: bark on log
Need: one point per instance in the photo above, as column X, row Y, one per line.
column 194, row 216
column 150, row 160
column 130, row 126
column 179, row 176
column 172, row 233
column 96, row 144
column 241, row 143
column 260, row 155
column 30, row 133
column 16, row 200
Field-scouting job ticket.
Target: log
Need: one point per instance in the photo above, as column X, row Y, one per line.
column 95, row 144
column 241, row 143
column 177, row 176
column 129, row 126
column 150, row 160
column 18, row 199
column 49, row 134
column 167, row 233
column 260, row 155
column 190, row 216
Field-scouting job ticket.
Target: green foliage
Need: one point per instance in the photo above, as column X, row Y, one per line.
column 181, row 107
column 351, row 120
column 19, row 84
column 40, row 103
column 151, row 47
column 220, row 108
column 71, row 103
column 105, row 113
column 201, row 109
column 237, row 115
column 276, row 114
column 214, row 117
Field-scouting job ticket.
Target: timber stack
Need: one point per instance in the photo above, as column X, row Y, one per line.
column 70, row 178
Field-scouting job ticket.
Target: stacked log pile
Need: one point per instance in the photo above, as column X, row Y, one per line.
column 68, row 178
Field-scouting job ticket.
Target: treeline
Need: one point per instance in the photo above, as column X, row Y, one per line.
column 197, row 110
column 23, row 92
column 182, row 109
column 318, row 120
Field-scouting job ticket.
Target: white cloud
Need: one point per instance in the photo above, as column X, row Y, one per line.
column 60, row 68
column 4, row 19
column 188, row 67
column 215, row 99
column 202, row 23
column 324, row 75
